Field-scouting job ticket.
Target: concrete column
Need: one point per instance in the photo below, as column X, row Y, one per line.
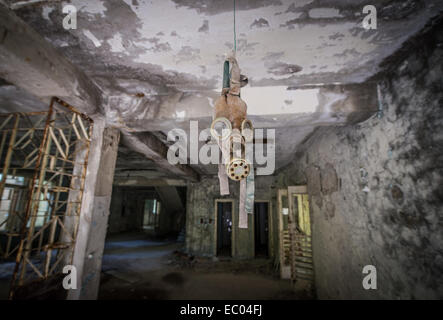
column 94, row 213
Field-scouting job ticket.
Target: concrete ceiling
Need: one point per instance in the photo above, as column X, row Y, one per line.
column 159, row 63
column 153, row 47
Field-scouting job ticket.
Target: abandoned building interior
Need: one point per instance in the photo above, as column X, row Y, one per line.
column 347, row 129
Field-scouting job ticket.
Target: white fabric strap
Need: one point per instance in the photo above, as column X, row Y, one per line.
column 222, row 176
column 242, row 215
column 250, row 191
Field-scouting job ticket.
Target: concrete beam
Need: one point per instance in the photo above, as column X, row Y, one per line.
column 268, row 107
column 151, row 147
column 139, row 181
column 28, row 61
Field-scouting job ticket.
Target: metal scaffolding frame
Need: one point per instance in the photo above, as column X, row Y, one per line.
column 21, row 137
column 51, row 149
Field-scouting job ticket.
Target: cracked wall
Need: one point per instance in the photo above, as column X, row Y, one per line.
column 375, row 188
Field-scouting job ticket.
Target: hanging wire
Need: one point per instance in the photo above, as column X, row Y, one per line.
column 235, row 35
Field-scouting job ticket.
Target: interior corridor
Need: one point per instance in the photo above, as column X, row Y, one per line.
column 209, row 149
column 135, row 267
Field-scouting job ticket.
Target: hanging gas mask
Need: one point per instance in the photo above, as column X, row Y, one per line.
column 230, row 127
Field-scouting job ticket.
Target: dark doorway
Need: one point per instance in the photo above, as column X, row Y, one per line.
column 224, row 228
column 261, row 229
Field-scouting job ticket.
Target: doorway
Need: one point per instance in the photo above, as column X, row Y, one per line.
column 151, row 214
column 224, row 229
column 261, row 229
column 296, row 258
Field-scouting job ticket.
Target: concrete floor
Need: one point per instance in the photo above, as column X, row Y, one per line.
column 6, row 271
column 137, row 268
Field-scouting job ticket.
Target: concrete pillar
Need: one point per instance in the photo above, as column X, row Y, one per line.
column 94, row 213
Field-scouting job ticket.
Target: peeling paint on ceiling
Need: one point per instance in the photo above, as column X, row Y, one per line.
column 191, row 38
column 159, row 62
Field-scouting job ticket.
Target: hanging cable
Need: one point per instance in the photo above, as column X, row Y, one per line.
column 235, row 35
